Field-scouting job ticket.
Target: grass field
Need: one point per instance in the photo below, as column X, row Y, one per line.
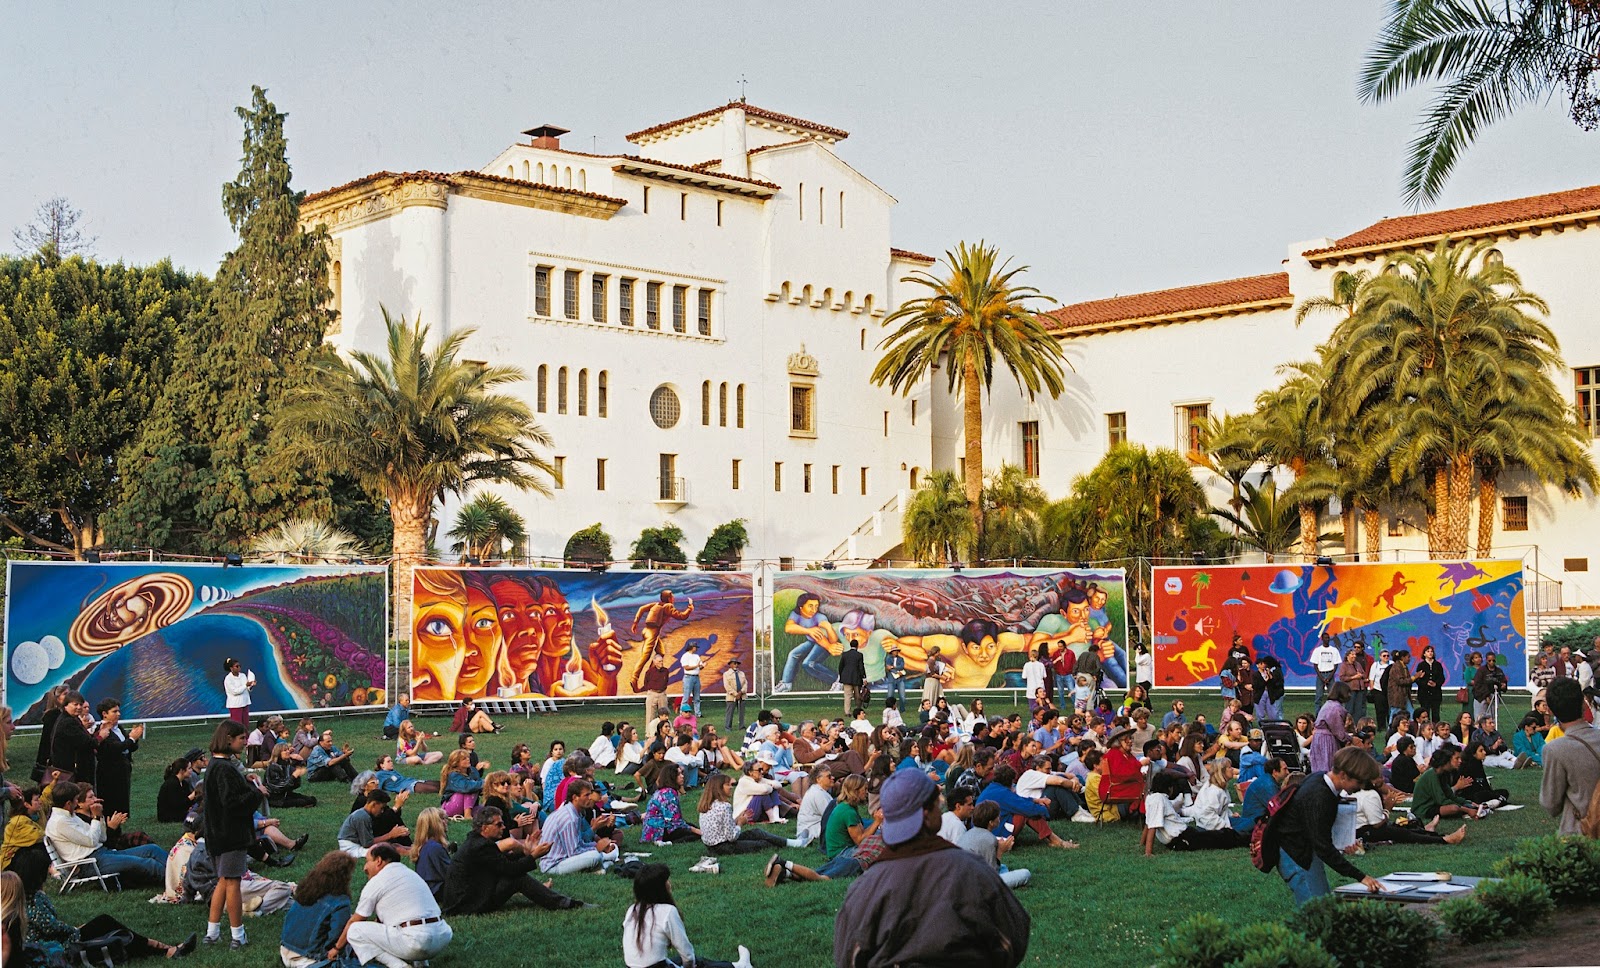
column 1102, row 904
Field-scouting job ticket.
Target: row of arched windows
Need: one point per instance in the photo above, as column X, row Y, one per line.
column 558, row 175
column 602, row 387
column 722, row 405
column 807, row 296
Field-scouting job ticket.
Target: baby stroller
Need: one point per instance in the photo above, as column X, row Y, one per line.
column 1279, row 740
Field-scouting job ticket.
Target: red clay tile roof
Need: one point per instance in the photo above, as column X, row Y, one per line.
column 693, row 169
column 781, row 144
column 910, row 256
column 401, row 177
column 1453, row 221
column 750, row 110
column 1205, row 299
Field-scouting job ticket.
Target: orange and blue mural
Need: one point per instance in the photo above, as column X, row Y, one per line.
column 1458, row 607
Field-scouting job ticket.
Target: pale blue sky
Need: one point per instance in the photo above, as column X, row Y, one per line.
column 1114, row 147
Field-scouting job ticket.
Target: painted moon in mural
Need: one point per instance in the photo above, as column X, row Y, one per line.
column 127, row 611
column 29, row 663
column 55, row 649
column 1437, row 607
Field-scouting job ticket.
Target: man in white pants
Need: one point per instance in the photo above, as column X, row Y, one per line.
column 397, row 922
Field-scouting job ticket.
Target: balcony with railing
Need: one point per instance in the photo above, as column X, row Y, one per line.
column 673, row 493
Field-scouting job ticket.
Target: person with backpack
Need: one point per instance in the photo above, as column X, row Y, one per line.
column 1296, row 839
column 1571, row 763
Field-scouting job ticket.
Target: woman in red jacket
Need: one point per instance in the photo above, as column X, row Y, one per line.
column 1123, row 770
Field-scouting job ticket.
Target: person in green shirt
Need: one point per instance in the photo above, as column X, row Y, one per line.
column 1435, row 795
column 844, row 830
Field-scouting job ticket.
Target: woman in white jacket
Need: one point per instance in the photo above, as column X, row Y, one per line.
column 1213, row 807
column 237, row 685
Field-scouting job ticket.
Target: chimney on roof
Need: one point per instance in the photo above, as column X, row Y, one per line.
column 546, row 136
column 735, row 150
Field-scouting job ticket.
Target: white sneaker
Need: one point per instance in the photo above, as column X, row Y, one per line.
column 744, row 958
column 805, row 837
column 836, row 688
column 782, row 687
column 1083, row 816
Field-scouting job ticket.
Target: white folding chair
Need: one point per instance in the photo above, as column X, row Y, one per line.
column 73, row 873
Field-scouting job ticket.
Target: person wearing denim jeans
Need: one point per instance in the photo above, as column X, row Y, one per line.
column 821, row 641
column 72, row 839
column 689, row 665
column 1300, row 834
column 894, row 673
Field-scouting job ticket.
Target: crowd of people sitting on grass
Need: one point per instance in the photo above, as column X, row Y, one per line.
column 859, row 790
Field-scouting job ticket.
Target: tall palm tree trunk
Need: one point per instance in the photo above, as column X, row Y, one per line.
column 1488, row 493
column 1347, row 520
column 1461, row 492
column 1371, row 523
column 1308, row 532
column 972, row 392
column 1439, row 521
column 409, row 515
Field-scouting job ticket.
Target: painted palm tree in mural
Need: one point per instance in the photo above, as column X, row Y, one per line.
column 415, row 425
column 974, row 317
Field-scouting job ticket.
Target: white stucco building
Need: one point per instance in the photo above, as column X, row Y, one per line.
column 697, row 321
column 1147, row 363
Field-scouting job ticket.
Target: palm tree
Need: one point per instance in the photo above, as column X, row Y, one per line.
column 1293, row 430
column 937, row 527
column 414, row 426
column 972, row 318
column 1227, row 449
column 1013, row 514
column 302, row 540
column 1535, row 436
column 1266, row 523
column 1438, row 356
column 1490, row 60
column 485, row 526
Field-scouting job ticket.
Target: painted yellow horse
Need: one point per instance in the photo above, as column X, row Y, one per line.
column 1199, row 661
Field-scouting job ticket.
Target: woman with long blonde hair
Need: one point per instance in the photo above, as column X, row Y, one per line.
column 411, row 747
column 460, row 784
column 430, row 850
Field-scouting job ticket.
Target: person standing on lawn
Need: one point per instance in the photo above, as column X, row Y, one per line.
column 228, row 822
column 237, row 683
column 1301, row 832
column 735, row 685
column 1571, row 762
column 852, row 675
column 883, row 923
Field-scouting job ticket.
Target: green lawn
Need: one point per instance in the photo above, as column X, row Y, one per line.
column 1102, row 904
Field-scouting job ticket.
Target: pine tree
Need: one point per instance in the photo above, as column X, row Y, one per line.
column 212, row 471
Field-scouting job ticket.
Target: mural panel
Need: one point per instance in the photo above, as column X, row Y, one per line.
column 981, row 623
column 155, row 635
column 508, row 632
column 1458, row 607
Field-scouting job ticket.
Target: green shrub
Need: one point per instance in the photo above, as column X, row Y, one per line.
column 1470, row 921
column 589, row 546
column 1498, row 909
column 1204, row 941
column 1578, row 635
column 659, row 546
column 1568, row 866
column 1367, row 934
column 725, row 544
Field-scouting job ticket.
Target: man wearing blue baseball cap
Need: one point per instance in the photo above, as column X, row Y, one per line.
column 973, row 919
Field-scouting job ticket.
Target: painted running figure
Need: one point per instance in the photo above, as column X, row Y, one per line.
column 655, row 616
